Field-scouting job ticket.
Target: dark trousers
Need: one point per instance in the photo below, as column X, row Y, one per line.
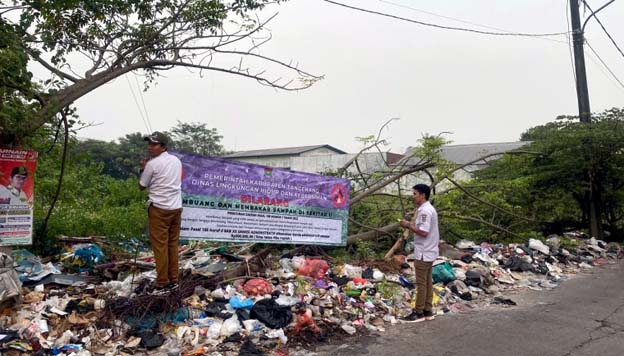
column 424, row 284
column 164, row 231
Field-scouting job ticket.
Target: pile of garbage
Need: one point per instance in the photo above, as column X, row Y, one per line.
column 228, row 302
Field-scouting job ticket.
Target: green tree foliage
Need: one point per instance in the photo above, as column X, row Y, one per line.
column 120, row 159
column 552, row 188
column 196, row 137
column 90, row 202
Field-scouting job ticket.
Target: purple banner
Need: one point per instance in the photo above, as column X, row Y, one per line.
column 216, row 177
column 234, row 201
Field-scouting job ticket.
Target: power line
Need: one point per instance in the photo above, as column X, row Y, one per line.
column 603, row 28
column 520, row 34
column 594, row 13
column 459, row 20
column 149, row 122
column 570, row 42
column 605, row 64
column 137, row 105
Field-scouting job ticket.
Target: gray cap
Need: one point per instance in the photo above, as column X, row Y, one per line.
column 157, row 137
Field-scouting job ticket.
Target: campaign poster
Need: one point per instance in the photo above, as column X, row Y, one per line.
column 17, row 170
column 234, row 201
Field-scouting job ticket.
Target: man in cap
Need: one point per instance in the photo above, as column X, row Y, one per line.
column 162, row 175
column 13, row 194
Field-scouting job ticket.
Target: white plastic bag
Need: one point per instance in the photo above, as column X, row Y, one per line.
column 214, row 330
column 230, row 326
column 352, row 271
column 539, row 246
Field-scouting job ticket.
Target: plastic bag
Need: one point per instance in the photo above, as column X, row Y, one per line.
column 258, row 287
column 352, row 271
column 230, row 326
column 214, row 330
column 474, row 278
column 238, row 303
column 442, row 272
column 314, row 268
column 10, row 285
column 539, row 245
column 252, row 325
column 271, row 314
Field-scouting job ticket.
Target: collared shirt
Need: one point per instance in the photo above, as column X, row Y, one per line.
column 12, row 196
column 426, row 248
column 163, row 177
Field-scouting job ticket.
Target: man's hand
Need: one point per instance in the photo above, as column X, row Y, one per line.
column 143, row 162
column 404, row 223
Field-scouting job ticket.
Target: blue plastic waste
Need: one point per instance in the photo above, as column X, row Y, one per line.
column 238, row 303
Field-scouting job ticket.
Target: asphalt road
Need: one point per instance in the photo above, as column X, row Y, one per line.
column 583, row 316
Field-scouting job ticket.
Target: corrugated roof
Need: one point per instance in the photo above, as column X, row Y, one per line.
column 285, row 151
column 462, row 154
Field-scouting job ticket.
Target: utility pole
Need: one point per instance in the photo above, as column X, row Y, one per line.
column 582, row 94
column 578, row 39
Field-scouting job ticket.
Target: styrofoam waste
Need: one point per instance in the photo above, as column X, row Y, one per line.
column 539, row 246
column 277, row 334
column 348, row 329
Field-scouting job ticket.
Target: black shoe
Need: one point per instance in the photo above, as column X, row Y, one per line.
column 172, row 286
column 429, row 315
column 414, row 317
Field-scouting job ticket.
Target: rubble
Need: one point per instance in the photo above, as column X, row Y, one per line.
column 232, row 303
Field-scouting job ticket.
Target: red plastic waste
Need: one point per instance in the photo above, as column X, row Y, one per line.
column 314, row 268
column 305, row 321
column 359, row 281
column 257, row 286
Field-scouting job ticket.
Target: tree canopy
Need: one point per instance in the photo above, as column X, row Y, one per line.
column 576, row 178
column 82, row 45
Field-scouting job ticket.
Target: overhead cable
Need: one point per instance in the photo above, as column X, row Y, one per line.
column 601, row 25
column 460, row 20
column 509, row 34
column 605, row 65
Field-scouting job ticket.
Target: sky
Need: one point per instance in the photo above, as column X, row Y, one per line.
column 476, row 88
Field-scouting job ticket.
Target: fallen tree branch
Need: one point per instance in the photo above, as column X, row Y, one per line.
column 369, row 227
column 389, row 179
column 373, row 234
column 481, row 221
column 492, row 205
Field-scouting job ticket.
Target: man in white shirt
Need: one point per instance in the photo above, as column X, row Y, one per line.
column 13, row 194
column 162, row 175
column 426, row 241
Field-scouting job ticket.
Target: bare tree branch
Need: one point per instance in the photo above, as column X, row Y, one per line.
column 373, row 234
column 492, row 205
column 481, row 221
column 53, row 69
column 389, row 179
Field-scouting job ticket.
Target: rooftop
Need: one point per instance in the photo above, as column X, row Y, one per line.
column 285, row 151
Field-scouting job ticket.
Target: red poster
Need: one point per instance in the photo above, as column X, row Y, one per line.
column 17, row 171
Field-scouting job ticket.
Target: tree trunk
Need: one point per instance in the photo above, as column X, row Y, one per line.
column 595, row 214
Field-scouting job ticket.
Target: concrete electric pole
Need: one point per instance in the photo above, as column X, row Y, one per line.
column 578, row 38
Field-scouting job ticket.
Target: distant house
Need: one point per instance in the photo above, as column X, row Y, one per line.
column 463, row 154
column 325, row 158
column 282, row 157
column 468, row 155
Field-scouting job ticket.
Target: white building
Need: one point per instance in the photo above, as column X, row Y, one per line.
column 282, row 157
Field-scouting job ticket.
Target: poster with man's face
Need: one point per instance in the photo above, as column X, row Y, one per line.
column 17, row 169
